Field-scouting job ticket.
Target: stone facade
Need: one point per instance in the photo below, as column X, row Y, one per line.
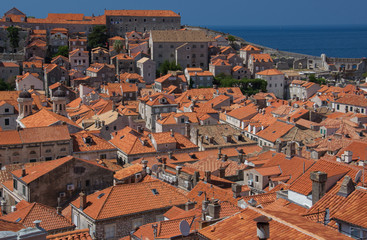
column 147, row 69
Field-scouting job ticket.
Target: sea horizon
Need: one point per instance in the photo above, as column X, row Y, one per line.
column 343, row 41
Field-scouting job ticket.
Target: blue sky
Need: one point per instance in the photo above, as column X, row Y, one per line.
column 215, row 12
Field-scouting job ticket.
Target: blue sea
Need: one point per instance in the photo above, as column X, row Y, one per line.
column 334, row 41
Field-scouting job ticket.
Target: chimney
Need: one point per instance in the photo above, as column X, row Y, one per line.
column 224, row 158
column 222, row 172
column 164, row 161
column 219, row 153
column 207, row 176
column 144, row 163
column 172, row 133
column 23, row 172
column 170, row 155
column 347, row 187
column 189, row 205
column 196, row 178
column 178, row 170
column 299, row 151
column 58, row 208
column 214, row 209
column 236, row 189
column 262, row 225
column 83, row 200
column 318, row 185
column 204, row 208
column 348, row 156
column 240, row 158
column 37, row 224
column 187, row 130
column 139, row 129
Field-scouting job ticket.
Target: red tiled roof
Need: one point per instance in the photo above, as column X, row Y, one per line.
column 133, row 198
column 31, row 212
column 269, row 72
column 82, row 234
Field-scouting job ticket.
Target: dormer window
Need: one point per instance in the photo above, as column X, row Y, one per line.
column 163, row 100
column 88, row 140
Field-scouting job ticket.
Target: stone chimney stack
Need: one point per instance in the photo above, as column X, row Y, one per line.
column 189, row 205
column 347, row 187
column 23, row 172
column 164, row 161
column 170, row 155
column 214, row 209
column 187, row 130
column 196, row 178
column 219, row 153
column 318, row 185
column 207, row 176
column 144, row 163
column 262, row 225
column 83, row 200
column 224, row 158
column 236, row 189
column 58, row 208
column 222, row 172
column 178, row 170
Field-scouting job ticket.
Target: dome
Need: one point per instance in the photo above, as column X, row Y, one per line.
column 25, row 94
column 59, row 93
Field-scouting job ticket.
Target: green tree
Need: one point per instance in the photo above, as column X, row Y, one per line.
column 247, row 86
column 364, row 75
column 98, row 37
column 5, row 86
column 169, row 66
column 13, row 35
column 320, row 81
column 118, row 46
column 231, row 39
column 63, row 51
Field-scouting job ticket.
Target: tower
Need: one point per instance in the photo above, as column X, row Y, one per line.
column 59, row 102
column 25, row 104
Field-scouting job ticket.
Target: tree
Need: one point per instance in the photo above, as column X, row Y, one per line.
column 320, row 81
column 118, row 46
column 169, row 66
column 63, row 51
column 13, row 35
column 247, row 86
column 231, row 39
column 98, row 37
column 5, row 86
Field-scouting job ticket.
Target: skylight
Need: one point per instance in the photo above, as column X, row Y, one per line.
column 155, row 191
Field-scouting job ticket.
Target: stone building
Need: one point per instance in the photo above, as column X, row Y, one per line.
column 246, row 52
column 28, row 81
column 197, row 78
column 123, row 63
column 8, row 71
column 162, row 83
column 151, row 106
column 34, row 144
column 187, row 48
column 147, row 69
column 36, row 48
column 79, row 60
column 350, row 103
column 90, row 147
column 100, row 55
column 61, row 61
column 302, row 90
column 58, row 37
column 74, row 22
column 119, row 22
column 55, row 182
column 220, row 66
column 101, row 73
column 134, row 144
column 260, row 62
column 275, row 80
column 8, row 114
column 54, row 73
column 143, row 203
column 78, row 43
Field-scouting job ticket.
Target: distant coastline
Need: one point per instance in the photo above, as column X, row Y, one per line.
column 335, row 41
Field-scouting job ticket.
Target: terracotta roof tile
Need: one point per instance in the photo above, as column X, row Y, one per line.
column 82, row 234
column 127, row 199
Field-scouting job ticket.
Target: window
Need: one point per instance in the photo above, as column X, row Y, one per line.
column 15, row 184
column 201, row 46
column 160, row 46
column 355, row 232
column 87, row 183
column 48, row 158
column 102, row 156
column 172, row 46
column 24, row 191
column 137, row 222
column 337, row 107
column 256, row 178
column 351, row 108
column 6, row 110
column 7, row 122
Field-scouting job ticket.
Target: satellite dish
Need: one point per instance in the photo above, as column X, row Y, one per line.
column 154, row 168
column 184, row 228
